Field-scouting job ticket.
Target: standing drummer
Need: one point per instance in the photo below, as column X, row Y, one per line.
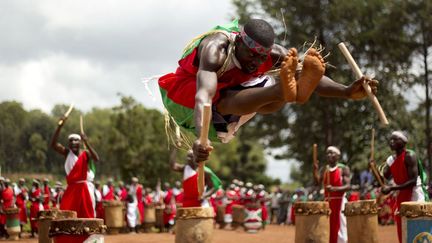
column 336, row 180
column 407, row 172
column 80, row 172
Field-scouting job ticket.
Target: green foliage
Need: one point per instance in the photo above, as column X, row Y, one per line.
column 129, row 138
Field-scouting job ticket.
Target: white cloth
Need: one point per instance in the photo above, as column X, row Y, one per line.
column 343, row 234
column 132, row 214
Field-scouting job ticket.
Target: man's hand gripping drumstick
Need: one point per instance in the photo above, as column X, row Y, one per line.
column 366, row 87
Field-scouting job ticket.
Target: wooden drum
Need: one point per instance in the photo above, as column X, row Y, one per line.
column 220, row 214
column 149, row 217
column 44, row 221
column 416, row 221
column 114, row 216
column 238, row 214
column 253, row 221
column 362, row 221
column 194, row 225
column 312, row 222
column 76, row 230
column 13, row 227
column 159, row 217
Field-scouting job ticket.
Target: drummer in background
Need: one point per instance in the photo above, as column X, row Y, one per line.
column 21, row 198
column 136, row 190
column 108, row 193
column 36, row 206
column 46, row 194
column 336, row 179
column 178, row 193
column 100, row 213
column 407, row 173
column 190, row 177
column 57, row 195
column 122, row 192
column 229, row 199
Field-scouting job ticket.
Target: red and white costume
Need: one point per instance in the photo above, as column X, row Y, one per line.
column 47, row 197
column 79, row 195
column 337, row 200
column 21, row 199
column 400, row 176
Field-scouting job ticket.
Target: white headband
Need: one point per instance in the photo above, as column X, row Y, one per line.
column 74, row 136
column 400, row 135
column 334, row 149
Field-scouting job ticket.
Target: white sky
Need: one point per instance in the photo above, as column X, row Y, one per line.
column 85, row 52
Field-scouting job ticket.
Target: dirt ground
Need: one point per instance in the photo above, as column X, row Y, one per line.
column 272, row 234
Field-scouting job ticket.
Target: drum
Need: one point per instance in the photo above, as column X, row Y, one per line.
column 44, row 221
column 149, row 217
column 416, row 221
column 253, row 221
column 159, row 218
column 114, row 216
column 76, row 230
column 362, row 215
column 220, row 214
column 13, row 227
column 238, row 214
column 194, row 225
column 312, row 222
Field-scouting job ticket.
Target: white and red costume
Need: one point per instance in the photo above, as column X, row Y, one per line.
column 400, row 176
column 337, row 200
column 79, row 195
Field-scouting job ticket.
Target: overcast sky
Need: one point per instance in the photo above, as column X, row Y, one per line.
column 85, row 52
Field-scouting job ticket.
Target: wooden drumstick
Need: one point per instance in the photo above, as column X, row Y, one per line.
column 366, row 87
column 315, row 153
column 82, row 128
column 372, row 164
column 66, row 114
column 203, row 141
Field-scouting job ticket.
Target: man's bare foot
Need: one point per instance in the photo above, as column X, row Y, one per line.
column 287, row 76
column 311, row 74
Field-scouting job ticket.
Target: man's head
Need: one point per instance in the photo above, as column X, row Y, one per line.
column 21, row 181
column 190, row 159
column 110, row 181
column 45, row 181
column 74, row 142
column 167, row 186
column 253, row 44
column 35, row 183
column 333, row 154
column 398, row 140
column 134, row 180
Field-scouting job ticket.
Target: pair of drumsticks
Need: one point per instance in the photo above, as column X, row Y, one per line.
column 66, row 115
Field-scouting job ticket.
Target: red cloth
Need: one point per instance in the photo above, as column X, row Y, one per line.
column 21, row 204
column 170, row 208
column 47, row 196
column 7, row 197
column 123, row 194
column 335, row 202
column 77, row 195
column 190, row 192
column 34, row 209
column 181, row 85
column 110, row 194
column 400, row 176
column 354, row 196
column 139, row 195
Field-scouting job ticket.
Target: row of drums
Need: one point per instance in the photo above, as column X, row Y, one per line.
column 312, row 221
column 247, row 216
